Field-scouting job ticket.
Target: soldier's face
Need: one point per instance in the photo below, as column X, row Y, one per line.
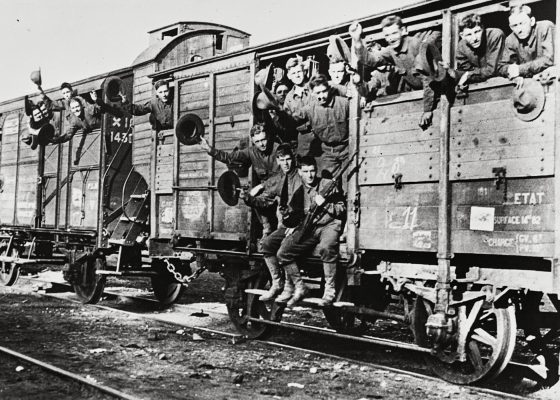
column 76, row 108
column 521, row 25
column 296, row 74
column 260, row 141
column 394, row 35
column 473, row 36
column 308, row 173
column 66, row 93
column 285, row 163
column 321, row 93
column 337, row 71
column 163, row 93
column 281, row 92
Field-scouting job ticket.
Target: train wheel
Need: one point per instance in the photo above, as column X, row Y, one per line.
column 166, row 289
column 9, row 271
column 247, row 305
column 91, row 286
column 489, row 345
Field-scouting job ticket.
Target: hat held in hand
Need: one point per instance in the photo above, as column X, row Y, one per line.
column 338, row 50
column 528, row 101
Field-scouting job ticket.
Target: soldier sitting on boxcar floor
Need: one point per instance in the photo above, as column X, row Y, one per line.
column 283, row 184
column 529, row 49
column 261, row 156
column 478, row 51
column 401, row 52
column 160, row 107
column 85, row 117
column 285, row 246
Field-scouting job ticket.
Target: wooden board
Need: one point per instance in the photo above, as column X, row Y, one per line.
column 84, row 200
column 26, row 194
column 8, row 174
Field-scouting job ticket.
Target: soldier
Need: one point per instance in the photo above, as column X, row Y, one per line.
column 261, row 156
column 283, row 184
column 160, row 107
column 296, row 99
column 328, row 117
column 529, row 49
column 85, row 116
column 323, row 234
column 401, row 53
column 478, row 51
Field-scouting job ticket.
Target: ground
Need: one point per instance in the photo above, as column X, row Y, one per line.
column 159, row 361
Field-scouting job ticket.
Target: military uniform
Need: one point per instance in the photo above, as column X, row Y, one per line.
column 298, row 98
column 161, row 114
column 480, row 63
column 404, row 60
column 533, row 55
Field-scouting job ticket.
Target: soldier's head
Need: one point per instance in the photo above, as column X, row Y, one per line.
column 307, row 170
column 320, row 88
column 66, row 91
column 162, row 90
column 393, row 30
column 471, row 29
column 296, row 71
column 337, row 71
column 76, row 107
column 521, row 21
column 285, row 157
column 259, row 137
column 281, row 91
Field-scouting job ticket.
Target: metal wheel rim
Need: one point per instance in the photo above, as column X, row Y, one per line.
column 92, row 292
column 494, row 331
column 9, row 271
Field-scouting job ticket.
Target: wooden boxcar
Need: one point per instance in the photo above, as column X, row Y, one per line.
column 458, row 220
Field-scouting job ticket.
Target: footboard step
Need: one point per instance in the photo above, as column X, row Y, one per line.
column 343, row 304
column 258, row 292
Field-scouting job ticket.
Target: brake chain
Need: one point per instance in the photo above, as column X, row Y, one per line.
column 183, row 279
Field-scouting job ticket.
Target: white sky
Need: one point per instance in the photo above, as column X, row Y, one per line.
column 75, row 39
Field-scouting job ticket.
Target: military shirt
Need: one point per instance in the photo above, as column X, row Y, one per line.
column 481, row 63
column 263, row 163
column 404, row 59
column 533, row 55
column 161, row 114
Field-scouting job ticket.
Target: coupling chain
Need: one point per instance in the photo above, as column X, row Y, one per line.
column 183, row 279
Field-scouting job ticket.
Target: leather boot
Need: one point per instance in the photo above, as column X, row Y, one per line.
column 300, row 289
column 329, row 270
column 276, row 275
column 288, row 291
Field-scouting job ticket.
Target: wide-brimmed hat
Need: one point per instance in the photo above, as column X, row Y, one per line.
column 338, row 50
column 189, row 129
column 528, row 101
column 427, row 62
column 266, row 100
column 264, row 77
column 229, row 186
column 112, row 88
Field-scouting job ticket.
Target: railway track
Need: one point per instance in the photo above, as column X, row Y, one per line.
column 136, row 302
column 68, row 375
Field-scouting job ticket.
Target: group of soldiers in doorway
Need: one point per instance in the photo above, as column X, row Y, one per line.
column 302, row 140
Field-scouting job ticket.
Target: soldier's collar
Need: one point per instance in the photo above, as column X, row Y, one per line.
column 404, row 45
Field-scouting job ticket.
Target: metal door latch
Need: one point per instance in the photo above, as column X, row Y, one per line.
column 500, row 176
column 398, row 180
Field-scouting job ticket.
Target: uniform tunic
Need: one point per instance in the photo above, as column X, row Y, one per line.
column 161, row 114
column 533, row 55
column 404, row 60
column 481, row 63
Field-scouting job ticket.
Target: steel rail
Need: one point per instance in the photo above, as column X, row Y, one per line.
column 69, row 375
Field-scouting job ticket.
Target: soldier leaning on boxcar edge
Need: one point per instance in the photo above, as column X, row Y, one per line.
column 261, row 156
column 68, row 93
column 160, row 107
column 283, row 247
column 85, row 116
column 478, row 52
column 401, row 52
column 529, row 49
